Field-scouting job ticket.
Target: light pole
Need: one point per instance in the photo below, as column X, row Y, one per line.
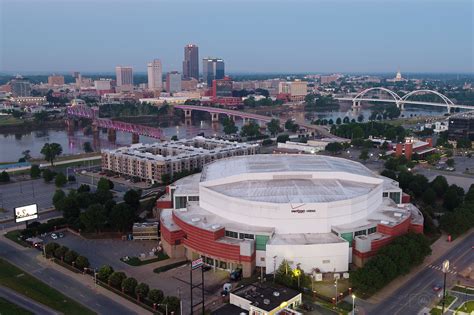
column 274, row 268
column 336, row 291
column 166, row 307
column 180, row 301
column 445, row 271
column 353, row 303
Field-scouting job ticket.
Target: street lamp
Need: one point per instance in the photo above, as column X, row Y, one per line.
column 336, row 292
column 166, row 307
column 353, row 304
column 445, row 271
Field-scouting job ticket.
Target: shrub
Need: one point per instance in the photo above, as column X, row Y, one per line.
column 129, row 285
column 70, row 256
column 50, row 248
column 105, row 272
column 82, row 262
column 155, row 296
column 116, row 278
column 142, row 290
column 60, row 180
column 60, row 252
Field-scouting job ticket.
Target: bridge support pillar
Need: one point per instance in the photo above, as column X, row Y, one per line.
column 214, row 117
column 95, row 131
column 231, row 117
column 401, row 106
column 356, row 106
column 112, row 135
column 70, row 124
column 449, row 109
column 135, row 138
column 188, row 122
column 187, row 113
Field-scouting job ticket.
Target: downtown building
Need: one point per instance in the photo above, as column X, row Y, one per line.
column 212, row 69
column 149, row 162
column 295, row 91
column 124, row 78
column 173, row 82
column 191, row 62
column 155, row 75
column 318, row 212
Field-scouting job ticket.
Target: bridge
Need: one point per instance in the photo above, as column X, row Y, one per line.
column 401, row 101
column 216, row 111
column 112, row 125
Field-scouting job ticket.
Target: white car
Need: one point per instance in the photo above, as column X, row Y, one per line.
column 54, row 236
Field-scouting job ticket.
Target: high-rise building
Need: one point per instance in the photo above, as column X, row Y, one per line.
column 20, row 86
column 212, row 69
column 191, row 62
column 56, row 80
column 173, row 82
column 124, row 76
column 155, row 75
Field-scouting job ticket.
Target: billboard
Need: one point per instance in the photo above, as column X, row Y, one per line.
column 25, row 213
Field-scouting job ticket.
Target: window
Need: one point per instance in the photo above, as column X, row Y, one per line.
column 193, row 198
column 246, row 236
column 372, row 230
column 326, row 261
column 180, row 202
column 261, row 242
column 231, row 234
column 361, row 232
column 396, row 196
column 385, row 194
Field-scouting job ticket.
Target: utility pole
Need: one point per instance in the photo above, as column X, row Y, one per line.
column 445, row 271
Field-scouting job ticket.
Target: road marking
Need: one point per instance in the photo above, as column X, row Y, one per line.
column 439, row 268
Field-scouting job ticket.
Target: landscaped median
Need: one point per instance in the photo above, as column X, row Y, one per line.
column 449, row 300
column 116, row 281
column 466, row 307
column 135, row 261
column 29, row 286
column 8, row 307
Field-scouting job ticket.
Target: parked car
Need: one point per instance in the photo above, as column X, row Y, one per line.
column 61, row 234
column 236, row 275
column 54, row 236
column 206, row 267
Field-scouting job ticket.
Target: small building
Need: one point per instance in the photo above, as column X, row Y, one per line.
column 412, row 146
column 145, row 231
column 262, row 299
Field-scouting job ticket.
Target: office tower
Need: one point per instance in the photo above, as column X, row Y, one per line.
column 56, row 80
column 212, row 69
column 124, row 76
column 20, row 86
column 191, row 62
column 155, row 75
column 173, row 82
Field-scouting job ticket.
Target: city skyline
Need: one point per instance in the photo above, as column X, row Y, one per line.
column 349, row 37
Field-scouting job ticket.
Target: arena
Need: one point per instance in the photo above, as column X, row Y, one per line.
column 321, row 213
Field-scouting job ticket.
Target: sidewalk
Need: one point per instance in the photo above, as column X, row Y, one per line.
column 88, row 281
column 439, row 248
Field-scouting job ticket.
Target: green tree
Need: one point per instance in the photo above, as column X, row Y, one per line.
column 290, row 125
column 274, row 126
column 452, row 199
column 129, row 285
column 104, row 272
column 174, row 138
column 94, row 218
column 450, row 162
column 50, row 248
column 104, row 184
column 155, row 296
column 250, row 130
column 364, row 155
column 51, row 151
column 82, row 262
column 35, row 171
column 464, row 143
column 360, row 118
column 4, row 177
column 122, row 217
column 60, row 252
column 142, row 290
column 132, row 198
column 338, row 121
column 87, row 147
column 70, row 256
column 58, row 196
column 334, row 147
column 60, row 180
column 116, row 278
column 69, row 206
column 173, row 304
column 41, row 116
column 229, row 126
column 429, row 196
column 48, row 175
column 84, row 188
column 440, row 185
column 283, row 138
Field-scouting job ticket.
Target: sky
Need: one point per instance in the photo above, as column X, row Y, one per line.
column 280, row 36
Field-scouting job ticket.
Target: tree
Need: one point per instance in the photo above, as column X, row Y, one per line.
column 104, row 272
column 334, row 147
column 390, row 174
column 229, row 126
column 93, row 218
column 439, row 185
column 50, row 248
column 35, row 171
column 116, row 278
column 82, row 262
column 173, row 303
column 174, row 138
column 4, row 177
column 452, row 199
column 87, row 147
column 60, row 252
column 60, row 180
column 58, row 196
column 132, row 198
column 26, row 155
column 69, row 206
column 360, row 118
column 274, row 126
column 290, row 125
column 429, row 196
column 122, row 217
column 84, row 188
column 40, row 116
column 464, row 143
column 104, row 184
column 51, row 151
column 71, row 178
column 283, row 138
column 142, row 290
column 155, row 296
column 338, row 121
column 364, row 155
column 450, row 162
column 48, row 175
column 129, row 285
column 250, row 130
column 70, row 256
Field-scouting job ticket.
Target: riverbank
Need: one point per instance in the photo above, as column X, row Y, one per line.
column 20, row 126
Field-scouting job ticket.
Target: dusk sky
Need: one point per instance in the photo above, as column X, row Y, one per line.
column 251, row 36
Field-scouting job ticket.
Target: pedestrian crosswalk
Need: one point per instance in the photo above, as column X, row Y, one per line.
column 440, row 268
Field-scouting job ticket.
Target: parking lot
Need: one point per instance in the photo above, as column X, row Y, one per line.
column 172, row 282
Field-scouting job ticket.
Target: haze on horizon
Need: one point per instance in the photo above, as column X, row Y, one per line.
column 251, row 36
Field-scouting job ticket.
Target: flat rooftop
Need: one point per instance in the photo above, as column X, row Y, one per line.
column 264, row 296
column 294, row 190
column 305, row 239
column 268, row 163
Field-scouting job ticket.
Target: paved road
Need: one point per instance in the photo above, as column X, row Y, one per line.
column 26, row 260
column 25, row 302
column 417, row 292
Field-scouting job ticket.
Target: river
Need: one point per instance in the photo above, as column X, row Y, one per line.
column 12, row 145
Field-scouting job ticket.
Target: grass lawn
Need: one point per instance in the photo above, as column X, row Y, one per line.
column 435, row 311
column 449, row 300
column 467, row 307
column 9, row 120
column 15, row 237
column 135, row 261
column 463, row 289
column 27, row 285
column 6, row 307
